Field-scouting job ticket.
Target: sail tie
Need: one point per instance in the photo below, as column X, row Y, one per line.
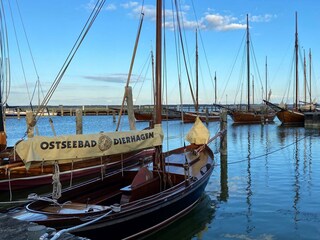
column 56, row 191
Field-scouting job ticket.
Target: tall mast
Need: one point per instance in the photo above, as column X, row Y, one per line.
column 215, row 88
column 158, row 158
column 197, row 84
column 266, row 78
column 305, row 76
column 158, row 62
column 4, row 75
column 310, row 75
column 296, row 55
column 248, row 62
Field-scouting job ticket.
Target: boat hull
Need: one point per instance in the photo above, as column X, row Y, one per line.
column 137, row 218
column 289, row 117
column 191, row 117
column 20, row 178
column 148, row 116
column 251, row 117
column 148, row 221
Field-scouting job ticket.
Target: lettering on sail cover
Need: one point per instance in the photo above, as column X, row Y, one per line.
column 133, row 138
column 68, row 144
column 104, row 142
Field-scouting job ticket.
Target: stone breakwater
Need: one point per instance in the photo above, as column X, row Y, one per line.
column 20, row 230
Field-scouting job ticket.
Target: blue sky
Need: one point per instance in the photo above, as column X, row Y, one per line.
column 98, row 72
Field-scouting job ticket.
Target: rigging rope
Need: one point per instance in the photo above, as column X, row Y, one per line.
column 184, row 52
column 131, row 66
column 202, row 44
column 5, row 66
column 32, row 58
column 72, row 53
column 20, row 56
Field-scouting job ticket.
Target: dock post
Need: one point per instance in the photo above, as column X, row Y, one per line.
column 224, row 158
column 61, row 110
column 207, row 116
column 223, row 126
column 78, row 121
column 114, row 116
column 18, row 113
column 30, row 124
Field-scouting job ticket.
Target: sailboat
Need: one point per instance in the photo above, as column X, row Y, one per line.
column 35, row 160
column 137, row 202
column 250, row 115
column 292, row 116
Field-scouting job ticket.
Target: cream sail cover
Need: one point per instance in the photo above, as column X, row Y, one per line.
column 71, row 147
column 198, row 134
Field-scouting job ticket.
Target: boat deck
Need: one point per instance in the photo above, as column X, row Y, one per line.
column 79, row 208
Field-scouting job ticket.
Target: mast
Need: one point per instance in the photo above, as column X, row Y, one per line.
column 3, row 137
column 296, row 56
column 248, row 63
column 3, row 76
column 215, row 88
column 252, row 89
column 305, row 76
column 197, row 84
column 158, row 61
column 158, row 158
column 310, row 75
column 266, row 78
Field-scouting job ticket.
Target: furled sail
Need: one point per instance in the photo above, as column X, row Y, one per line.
column 73, row 147
column 198, row 134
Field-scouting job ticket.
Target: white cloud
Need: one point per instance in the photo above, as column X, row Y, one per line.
column 222, row 23
column 262, row 18
column 130, row 5
column 111, row 7
column 210, row 21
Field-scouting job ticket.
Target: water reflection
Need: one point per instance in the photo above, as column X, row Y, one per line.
column 296, row 185
column 248, row 188
column 194, row 224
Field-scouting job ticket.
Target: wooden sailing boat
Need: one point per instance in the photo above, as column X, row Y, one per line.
column 250, row 115
column 291, row 116
column 136, row 202
column 72, row 157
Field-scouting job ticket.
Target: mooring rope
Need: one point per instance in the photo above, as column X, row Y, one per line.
column 59, row 233
column 266, row 154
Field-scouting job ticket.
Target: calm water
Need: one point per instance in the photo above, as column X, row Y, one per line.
column 267, row 187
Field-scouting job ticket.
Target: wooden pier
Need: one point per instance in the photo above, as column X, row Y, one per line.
column 86, row 111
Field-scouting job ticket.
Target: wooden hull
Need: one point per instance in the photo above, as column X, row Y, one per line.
column 191, row 118
column 145, row 116
column 145, row 208
column 290, row 117
column 16, row 177
column 242, row 117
